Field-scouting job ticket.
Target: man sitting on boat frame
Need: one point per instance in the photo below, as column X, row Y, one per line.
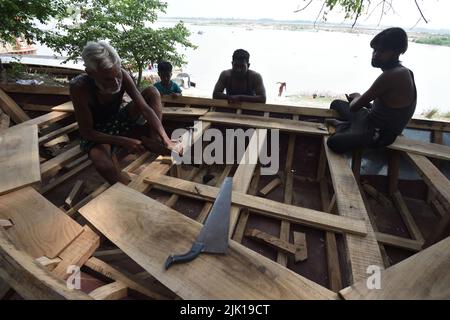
column 103, row 122
column 393, row 94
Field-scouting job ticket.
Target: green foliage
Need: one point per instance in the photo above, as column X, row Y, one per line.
column 435, row 40
column 351, row 7
column 17, row 17
column 127, row 25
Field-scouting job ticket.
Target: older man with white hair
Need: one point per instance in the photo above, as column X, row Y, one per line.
column 103, row 121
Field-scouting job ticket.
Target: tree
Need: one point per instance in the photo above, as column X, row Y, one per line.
column 355, row 8
column 18, row 17
column 126, row 24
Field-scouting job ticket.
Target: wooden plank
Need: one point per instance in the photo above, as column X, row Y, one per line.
column 45, row 119
column 378, row 196
column 333, row 266
column 40, row 228
column 74, row 192
column 274, row 209
column 245, row 214
column 420, row 277
column 399, row 242
column 271, row 108
column 272, row 185
column 174, row 197
column 432, row 150
column 432, row 177
column 191, row 112
column 132, row 282
column 418, row 123
column 137, row 163
column 393, row 171
column 53, row 165
column 289, row 185
column 19, row 158
column 41, row 89
column 57, row 181
column 47, row 263
column 65, row 107
column 244, row 173
column 285, row 125
column 406, row 216
column 78, row 252
column 207, row 206
column 109, row 253
column 113, row 291
column 362, row 251
column 58, row 132
column 356, row 163
column 88, row 198
column 301, row 253
column 5, row 223
column 4, row 121
column 147, row 235
column 28, row 278
column 11, row 108
column 271, row 240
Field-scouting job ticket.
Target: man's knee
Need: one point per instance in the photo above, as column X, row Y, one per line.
column 335, row 104
column 101, row 160
column 151, row 94
column 336, row 144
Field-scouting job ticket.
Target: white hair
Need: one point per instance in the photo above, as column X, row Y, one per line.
column 99, row 55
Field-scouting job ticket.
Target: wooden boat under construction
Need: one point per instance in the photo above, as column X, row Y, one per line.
column 324, row 226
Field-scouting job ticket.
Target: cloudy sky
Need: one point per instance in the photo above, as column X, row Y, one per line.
column 406, row 14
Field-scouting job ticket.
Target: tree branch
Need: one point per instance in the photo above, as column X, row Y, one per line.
column 420, row 10
column 298, row 10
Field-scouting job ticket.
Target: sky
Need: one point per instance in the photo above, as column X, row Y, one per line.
column 406, row 13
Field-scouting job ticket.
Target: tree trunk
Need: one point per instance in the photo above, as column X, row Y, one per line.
column 139, row 76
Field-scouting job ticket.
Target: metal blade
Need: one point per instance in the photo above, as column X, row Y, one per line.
column 214, row 234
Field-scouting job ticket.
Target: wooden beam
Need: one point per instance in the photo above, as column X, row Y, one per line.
column 285, row 125
column 432, row 150
column 356, row 163
column 74, row 192
column 406, row 216
column 244, row 173
column 51, row 166
column 88, row 198
column 28, row 278
column 393, row 171
column 45, row 119
column 65, row 107
column 57, row 181
column 271, row 240
column 378, row 196
column 422, row 276
column 399, row 242
column 58, row 132
column 174, row 197
column 272, row 185
column 39, row 227
column 145, row 235
column 108, row 254
column 19, row 158
column 274, row 209
column 113, row 291
column 30, row 89
column 12, row 109
column 301, row 253
column 433, row 177
column 134, row 283
column 361, row 252
column 78, row 252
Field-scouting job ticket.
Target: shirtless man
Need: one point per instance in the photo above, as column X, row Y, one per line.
column 393, row 94
column 103, row 123
column 240, row 83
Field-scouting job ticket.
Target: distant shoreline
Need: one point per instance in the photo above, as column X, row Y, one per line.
column 420, row 36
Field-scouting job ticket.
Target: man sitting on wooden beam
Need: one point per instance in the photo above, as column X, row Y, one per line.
column 393, row 94
column 103, row 122
column 240, row 83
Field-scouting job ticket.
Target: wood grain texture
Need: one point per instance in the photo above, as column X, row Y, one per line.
column 362, row 252
column 285, row 125
column 147, row 234
column 432, row 150
column 423, row 276
column 40, row 228
column 112, row 291
column 303, row 216
column 19, row 158
column 11, row 108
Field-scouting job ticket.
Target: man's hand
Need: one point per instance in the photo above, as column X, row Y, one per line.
column 176, row 145
column 234, row 99
column 133, row 145
column 352, row 96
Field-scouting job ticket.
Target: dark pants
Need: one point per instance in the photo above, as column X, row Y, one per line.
column 357, row 132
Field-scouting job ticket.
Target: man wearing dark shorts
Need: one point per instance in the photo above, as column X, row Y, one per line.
column 103, row 122
column 394, row 100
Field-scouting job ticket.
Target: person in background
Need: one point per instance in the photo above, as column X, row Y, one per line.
column 166, row 86
column 393, row 94
column 240, row 83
